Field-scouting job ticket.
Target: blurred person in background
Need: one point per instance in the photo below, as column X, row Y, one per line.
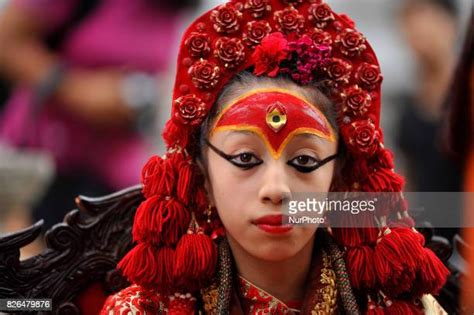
column 84, row 77
column 430, row 29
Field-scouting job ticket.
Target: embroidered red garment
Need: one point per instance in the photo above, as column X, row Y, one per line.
column 256, row 301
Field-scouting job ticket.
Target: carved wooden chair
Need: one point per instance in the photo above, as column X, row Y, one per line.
column 78, row 271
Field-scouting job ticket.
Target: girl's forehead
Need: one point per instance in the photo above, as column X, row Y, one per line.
column 276, row 116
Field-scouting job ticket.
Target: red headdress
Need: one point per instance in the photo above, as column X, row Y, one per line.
column 308, row 41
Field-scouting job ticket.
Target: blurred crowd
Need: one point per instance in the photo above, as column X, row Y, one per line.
column 85, row 88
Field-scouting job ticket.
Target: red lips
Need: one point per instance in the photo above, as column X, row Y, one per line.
column 273, row 224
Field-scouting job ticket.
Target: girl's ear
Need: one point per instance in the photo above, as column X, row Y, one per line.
column 207, row 183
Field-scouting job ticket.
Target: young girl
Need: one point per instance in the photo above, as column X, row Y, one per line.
column 273, row 98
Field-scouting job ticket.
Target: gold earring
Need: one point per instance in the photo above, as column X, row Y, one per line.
column 209, row 213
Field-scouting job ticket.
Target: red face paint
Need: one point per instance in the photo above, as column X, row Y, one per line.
column 276, row 116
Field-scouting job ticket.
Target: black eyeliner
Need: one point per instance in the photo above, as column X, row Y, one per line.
column 304, row 169
column 230, row 158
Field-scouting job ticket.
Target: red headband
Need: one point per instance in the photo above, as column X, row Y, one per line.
column 276, row 116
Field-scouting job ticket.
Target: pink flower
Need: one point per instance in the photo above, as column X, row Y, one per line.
column 307, row 57
column 268, row 55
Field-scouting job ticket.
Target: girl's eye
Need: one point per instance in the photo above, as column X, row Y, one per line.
column 245, row 160
column 304, row 163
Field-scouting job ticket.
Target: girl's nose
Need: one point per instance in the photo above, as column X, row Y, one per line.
column 275, row 188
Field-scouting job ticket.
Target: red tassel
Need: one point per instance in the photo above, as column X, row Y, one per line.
column 176, row 135
column 383, row 179
column 160, row 221
column 432, row 275
column 412, row 249
column 158, row 177
column 196, row 258
column 353, row 233
column 165, row 266
column 185, row 186
column 150, row 172
column 148, row 266
column 387, row 264
column 360, row 169
column 360, row 262
column 384, row 159
column 348, row 236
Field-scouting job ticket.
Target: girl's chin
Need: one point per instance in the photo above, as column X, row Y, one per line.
column 273, row 252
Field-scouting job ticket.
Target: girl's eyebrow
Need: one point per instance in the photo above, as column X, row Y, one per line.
column 309, row 136
column 242, row 132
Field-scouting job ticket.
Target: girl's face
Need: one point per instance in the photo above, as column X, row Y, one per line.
column 248, row 189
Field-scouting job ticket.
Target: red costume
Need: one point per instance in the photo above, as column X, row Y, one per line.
column 179, row 267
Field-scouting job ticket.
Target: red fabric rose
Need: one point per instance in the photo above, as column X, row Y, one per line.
column 226, row 19
column 256, row 31
column 289, row 20
column 204, row 74
column 362, row 137
column 198, row 44
column 189, row 110
column 368, row 76
column 351, row 42
column 320, row 37
column 230, row 51
column 268, row 55
column 356, row 101
column 338, row 71
column 320, row 14
column 258, row 8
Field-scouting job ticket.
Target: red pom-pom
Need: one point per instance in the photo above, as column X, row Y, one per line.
column 353, row 230
column 196, row 258
column 160, row 221
column 158, row 177
column 176, row 135
column 384, row 159
column 149, row 266
column 360, row 262
column 391, row 268
column 186, row 178
column 397, row 259
column 432, row 275
column 348, row 236
column 383, row 179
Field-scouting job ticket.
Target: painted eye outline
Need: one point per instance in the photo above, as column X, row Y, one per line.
column 309, row 169
column 245, row 165
column 231, row 158
column 313, row 162
column 302, row 169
